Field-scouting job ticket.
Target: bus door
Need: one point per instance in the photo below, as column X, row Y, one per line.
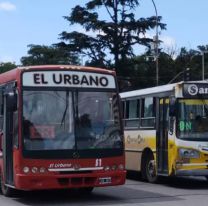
column 162, row 136
column 9, row 99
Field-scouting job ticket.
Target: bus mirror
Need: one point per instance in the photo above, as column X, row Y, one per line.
column 11, row 101
column 172, row 106
column 121, row 106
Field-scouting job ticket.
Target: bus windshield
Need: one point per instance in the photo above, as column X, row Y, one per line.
column 193, row 119
column 66, row 120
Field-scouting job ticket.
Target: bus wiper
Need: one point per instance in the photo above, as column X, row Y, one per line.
column 66, row 108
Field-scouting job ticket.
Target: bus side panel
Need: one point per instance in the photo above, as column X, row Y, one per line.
column 135, row 163
column 136, row 141
column 1, row 154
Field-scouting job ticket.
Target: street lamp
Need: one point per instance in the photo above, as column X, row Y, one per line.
column 155, row 39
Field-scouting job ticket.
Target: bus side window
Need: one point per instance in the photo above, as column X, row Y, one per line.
column 1, row 119
column 148, row 112
column 132, row 109
column 15, row 129
column 1, row 111
column 1, row 130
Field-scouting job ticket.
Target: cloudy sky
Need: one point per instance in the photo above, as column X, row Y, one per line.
column 25, row 22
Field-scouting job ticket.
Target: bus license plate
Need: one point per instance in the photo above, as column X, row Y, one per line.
column 105, row 180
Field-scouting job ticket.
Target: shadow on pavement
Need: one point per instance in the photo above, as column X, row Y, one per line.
column 176, row 182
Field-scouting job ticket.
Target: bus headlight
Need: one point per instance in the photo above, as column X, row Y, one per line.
column 121, row 167
column 114, row 167
column 34, row 170
column 188, row 153
column 26, row 170
column 106, row 168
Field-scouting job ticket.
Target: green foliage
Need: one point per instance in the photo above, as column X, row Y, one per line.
column 42, row 55
column 141, row 71
column 113, row 37
column 4, row 67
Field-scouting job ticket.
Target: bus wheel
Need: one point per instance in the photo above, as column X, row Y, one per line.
column 6, row 191
column 150, row 169
column 86, row 190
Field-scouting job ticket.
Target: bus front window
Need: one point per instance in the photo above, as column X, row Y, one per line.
column 193, row 119
column 64, row 120
column 48, row 120
column 98, row 124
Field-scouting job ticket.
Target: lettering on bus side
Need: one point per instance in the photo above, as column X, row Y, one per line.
column 60, row 165
column 138, row 140
column 68, row 78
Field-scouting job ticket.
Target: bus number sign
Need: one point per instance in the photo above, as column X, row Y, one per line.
column 195, row 90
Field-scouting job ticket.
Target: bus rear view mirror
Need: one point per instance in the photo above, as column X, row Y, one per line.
column 11, row 98
column 172, row 106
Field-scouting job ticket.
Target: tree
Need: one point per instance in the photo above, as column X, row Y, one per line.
column 41, row 55
column 189, row 59
column 4, row 67
column 167, row 68
column 113, row 37
column 141, row 71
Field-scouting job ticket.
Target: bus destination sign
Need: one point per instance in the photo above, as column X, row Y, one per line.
column 68, row 79
column 195, row 90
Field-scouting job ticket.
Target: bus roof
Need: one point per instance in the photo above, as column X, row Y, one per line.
column 69, row 67
column 155, row 90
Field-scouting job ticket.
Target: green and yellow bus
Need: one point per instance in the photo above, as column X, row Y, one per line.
column 166, row 130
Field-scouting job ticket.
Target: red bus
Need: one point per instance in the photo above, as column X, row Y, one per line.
column 60, row 127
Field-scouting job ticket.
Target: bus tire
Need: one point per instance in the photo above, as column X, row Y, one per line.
column 6, row 191
column 149, row 169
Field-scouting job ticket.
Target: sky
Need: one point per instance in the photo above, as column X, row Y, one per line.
column 25, row 22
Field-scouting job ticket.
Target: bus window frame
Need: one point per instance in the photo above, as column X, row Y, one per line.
column 140, row 118
column 143, row 110
column 125, row 119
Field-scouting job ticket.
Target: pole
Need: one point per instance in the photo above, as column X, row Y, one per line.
column 156, row 44
column 203, row 65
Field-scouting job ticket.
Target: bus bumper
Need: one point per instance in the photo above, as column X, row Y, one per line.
column 195, row 172
column 57, row 181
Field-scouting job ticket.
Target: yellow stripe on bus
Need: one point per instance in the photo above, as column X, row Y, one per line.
column 193, row 101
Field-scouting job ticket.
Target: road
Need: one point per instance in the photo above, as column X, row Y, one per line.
column 176, row 192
